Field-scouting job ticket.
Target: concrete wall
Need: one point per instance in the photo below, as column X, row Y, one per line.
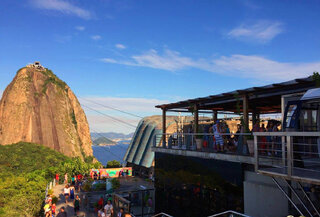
column 262, row 198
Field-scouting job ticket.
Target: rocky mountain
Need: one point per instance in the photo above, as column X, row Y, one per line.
column 40, row 108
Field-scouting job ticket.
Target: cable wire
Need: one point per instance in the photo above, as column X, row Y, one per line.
column 128, row 113
column 109, row 116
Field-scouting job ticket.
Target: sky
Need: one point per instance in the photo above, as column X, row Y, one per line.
column 133, row 55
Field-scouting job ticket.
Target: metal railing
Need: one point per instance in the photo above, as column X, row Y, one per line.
column 229, row 213
column 293, row 154
column 162, row 214
column 232, row 143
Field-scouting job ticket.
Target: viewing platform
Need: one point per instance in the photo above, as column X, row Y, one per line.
column 290, row 155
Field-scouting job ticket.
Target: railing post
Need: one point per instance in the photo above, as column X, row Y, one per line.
column 283, row 149
column 255, row 150
column 192, row 141
column 289, row 156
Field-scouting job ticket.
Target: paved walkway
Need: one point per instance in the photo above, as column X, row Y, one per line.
column 69, row 208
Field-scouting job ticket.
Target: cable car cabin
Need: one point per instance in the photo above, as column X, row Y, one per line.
column 303, row 114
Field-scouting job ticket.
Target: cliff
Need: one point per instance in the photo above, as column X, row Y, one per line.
column 38, row 107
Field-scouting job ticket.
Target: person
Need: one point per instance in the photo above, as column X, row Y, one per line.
column 76, row 204
column 108, row 209
column 72, row 192
column 218, row 137
column 256, row 127
column 149, row 204
column 66, row 192
column 79, row 177
column 62, row 213
column 121, row 213
column 47, row 209
column 276, row 139
column 48, row 198
column 73, row 180
column 57, row 178
column 263, row 140
column 100, row 202
column 53, row 209
column 66, row 178
column 269, row 138
column 101, row 213
column 95, row 175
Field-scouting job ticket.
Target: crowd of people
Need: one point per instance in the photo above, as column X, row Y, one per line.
column 69, row 192
column 106, row 210
column 218, row 137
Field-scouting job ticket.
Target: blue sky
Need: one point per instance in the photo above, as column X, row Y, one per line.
column 135, row 54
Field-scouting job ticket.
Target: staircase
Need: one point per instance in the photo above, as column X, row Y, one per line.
column 297, row 196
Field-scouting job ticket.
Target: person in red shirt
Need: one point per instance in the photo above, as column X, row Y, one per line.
column 57, row 178
column 53, row 209
column 79, row 177
column 100, row 203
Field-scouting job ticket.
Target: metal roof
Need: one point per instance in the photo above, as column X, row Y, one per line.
column 265, row 98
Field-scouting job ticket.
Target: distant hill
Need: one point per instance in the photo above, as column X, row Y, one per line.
column 112, row 135
column 103, row 141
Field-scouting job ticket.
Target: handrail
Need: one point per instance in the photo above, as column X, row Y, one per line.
column 289, row 147
column 286, row 133
column 162, row 214
column 229, row 212
column 212, row 134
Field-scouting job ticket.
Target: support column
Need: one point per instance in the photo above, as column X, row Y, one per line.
column 245, row 112
column 215, row 116
column 196, row 119
column 254, row 117
column 164, row 128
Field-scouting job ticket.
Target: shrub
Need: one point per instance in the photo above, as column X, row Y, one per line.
column 113, row 164
column 115, row 183
column 25, row 170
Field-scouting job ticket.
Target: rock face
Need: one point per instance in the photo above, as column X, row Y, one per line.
column 38, row 107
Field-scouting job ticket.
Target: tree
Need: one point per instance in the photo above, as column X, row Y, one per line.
column 113, row 164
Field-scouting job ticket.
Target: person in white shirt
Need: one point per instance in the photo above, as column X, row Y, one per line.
column 101, row 213
column 66, row 192
column 108, row 209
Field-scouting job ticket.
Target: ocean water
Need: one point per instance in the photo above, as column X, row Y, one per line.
column 108, row 153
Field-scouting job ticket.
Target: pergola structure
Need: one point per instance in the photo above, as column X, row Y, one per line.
column 254, row 100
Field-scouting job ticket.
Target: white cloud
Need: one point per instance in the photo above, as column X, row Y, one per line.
column 109, row 60
column 61, row 6
column 80, row 28
column 261, row 31
column 96, row 37
column 170, row 60
column 263, row 68
column 120, row 46
column 249, row 66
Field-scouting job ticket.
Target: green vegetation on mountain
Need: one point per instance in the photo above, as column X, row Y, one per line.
column 25, row 170
column 52, row 78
